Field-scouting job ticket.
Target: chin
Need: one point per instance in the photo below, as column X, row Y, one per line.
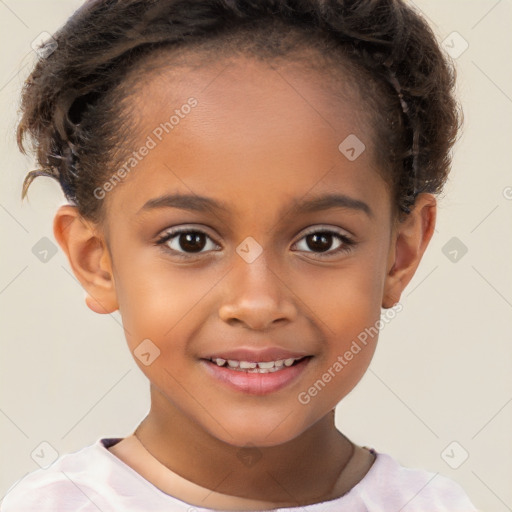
column 268, row 432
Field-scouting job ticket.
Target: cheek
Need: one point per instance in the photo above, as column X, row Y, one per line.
column 346, row 304
column 158, row 299
column 346, row 299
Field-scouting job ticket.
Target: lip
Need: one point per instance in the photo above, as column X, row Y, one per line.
column 256, row 356
column 256, row 383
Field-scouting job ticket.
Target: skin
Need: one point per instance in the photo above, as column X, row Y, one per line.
column 249, row 142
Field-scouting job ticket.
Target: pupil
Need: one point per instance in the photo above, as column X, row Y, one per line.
column 320, row 241
column 188, row 242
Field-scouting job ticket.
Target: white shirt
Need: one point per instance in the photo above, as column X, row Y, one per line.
column 94, row 480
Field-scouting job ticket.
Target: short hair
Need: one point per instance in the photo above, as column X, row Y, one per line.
column 74, row 110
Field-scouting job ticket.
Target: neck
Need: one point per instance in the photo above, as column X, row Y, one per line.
column 303, row 470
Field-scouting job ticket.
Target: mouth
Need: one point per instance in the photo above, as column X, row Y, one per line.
column 256, row 378
column 257, row 367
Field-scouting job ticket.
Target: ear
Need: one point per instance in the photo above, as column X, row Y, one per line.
column 88, row 255
column 409, row 241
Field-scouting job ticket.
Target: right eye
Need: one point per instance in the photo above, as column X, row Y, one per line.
column 185, row 243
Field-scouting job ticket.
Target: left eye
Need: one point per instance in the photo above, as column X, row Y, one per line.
column 320, row 242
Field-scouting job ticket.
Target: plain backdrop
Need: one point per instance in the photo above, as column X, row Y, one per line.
column 438, row 394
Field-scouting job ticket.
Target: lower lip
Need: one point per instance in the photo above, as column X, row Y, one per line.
column 256, row 383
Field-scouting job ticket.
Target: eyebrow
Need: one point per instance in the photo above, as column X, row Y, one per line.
column 207, row 204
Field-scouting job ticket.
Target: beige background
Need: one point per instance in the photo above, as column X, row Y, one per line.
column 442, row 371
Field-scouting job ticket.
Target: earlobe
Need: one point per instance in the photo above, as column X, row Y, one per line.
column 409, row 243
column 88, row 257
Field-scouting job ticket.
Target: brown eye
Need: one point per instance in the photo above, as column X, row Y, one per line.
column 321, row 241
column 325, row 241
column 192, row 241
column 186, row 242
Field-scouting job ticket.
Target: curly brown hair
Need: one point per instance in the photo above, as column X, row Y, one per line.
column 74, row 104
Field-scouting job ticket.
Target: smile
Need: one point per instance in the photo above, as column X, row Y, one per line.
column 256, row 378
column 256, row 367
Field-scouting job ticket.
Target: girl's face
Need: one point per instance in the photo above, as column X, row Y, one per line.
column 285, row 246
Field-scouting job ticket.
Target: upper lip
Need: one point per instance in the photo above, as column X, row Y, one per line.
column 266, row 354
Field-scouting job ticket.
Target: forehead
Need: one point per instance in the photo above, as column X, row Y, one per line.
column 324, row 86
column 259, row 132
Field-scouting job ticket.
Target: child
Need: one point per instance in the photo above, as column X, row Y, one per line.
column 249, row 184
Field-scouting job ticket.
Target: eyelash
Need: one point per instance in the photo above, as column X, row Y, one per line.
column 347, row 243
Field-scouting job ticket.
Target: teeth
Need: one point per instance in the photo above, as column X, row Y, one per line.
column 247, row 364
column 266, row 365
column 253, row 367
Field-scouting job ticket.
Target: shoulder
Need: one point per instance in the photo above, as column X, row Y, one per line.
column 389, row 484
column 67, row 484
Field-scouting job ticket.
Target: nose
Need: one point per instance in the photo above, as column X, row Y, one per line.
column 256, row 296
